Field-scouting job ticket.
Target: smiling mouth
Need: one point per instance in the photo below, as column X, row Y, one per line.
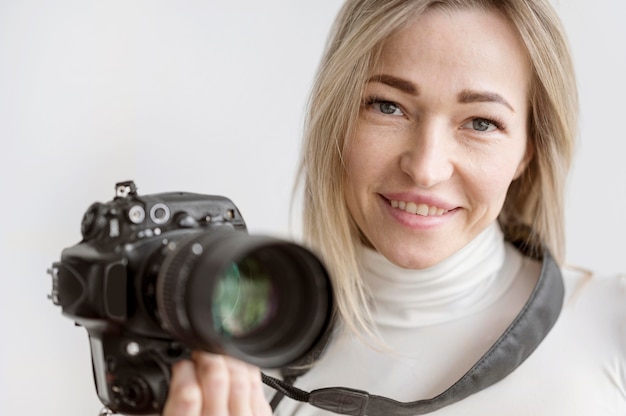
column 418, row 209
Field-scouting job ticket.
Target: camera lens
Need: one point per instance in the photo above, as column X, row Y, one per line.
column 259, row 299
column 244, row 301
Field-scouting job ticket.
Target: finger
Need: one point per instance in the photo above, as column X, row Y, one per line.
column 259, row 404
column 213, row 375
column 240, row 387
column 246, row 390
column 184, row 396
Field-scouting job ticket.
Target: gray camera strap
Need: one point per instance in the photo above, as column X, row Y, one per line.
column 519, row 340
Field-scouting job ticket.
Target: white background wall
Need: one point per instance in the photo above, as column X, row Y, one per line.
column 204, row 96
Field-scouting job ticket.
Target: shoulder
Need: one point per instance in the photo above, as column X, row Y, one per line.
column 582, row 286
column 594, row 310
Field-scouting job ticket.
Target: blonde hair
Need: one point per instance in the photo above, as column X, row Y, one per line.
column 536, row 199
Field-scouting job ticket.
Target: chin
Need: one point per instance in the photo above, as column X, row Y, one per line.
column 414, row 261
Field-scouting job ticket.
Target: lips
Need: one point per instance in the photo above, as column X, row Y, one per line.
column 418, row 209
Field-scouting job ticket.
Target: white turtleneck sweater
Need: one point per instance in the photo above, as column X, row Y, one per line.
column 437, row 322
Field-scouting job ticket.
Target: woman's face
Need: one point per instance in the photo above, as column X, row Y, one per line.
column 441, row 134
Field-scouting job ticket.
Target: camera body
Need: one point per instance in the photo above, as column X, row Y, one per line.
column 156, row 276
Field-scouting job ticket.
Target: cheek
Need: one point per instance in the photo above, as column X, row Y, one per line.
column 364, row 167
column 488, row 183
column 354, row 170
column 362, row 161
column 371, row 151
column 355, row 192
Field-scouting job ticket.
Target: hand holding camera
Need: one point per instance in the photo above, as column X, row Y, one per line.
column 215, row 384
column 158, row 276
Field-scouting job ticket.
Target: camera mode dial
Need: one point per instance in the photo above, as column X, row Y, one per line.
column 95, row 224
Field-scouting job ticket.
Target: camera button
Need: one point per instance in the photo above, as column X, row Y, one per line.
column 136, row 214
column 160, row 213
column 186, row 221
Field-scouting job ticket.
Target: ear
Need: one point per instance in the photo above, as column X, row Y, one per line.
column 528, row 156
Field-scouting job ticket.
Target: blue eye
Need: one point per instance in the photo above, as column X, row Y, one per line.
column 388, row 107
column 482, row 125
column 385, row 107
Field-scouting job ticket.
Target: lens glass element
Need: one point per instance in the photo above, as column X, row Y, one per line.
column 244, row 298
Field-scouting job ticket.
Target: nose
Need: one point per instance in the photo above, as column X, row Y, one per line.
column 428, row 155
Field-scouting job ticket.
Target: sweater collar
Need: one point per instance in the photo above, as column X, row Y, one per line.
column 464, row 283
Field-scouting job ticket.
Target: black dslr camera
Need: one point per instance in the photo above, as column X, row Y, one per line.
column 156, row 276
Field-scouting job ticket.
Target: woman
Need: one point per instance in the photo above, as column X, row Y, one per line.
column 440, row 132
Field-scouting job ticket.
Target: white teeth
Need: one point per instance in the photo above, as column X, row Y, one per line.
column 418, row 209
column 422, row 209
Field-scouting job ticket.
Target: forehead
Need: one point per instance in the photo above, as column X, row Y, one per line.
column 467, row 46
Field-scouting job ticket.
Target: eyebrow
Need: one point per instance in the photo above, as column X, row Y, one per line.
column 395, row 82
column 470, row 96
column 464, row 97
